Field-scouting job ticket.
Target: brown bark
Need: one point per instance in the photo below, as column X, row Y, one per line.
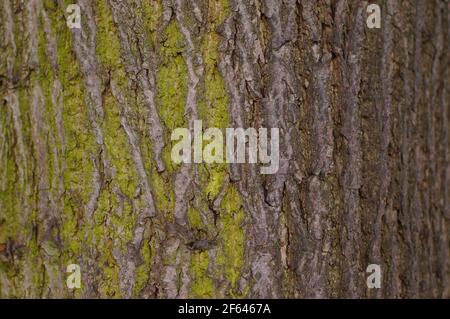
column 85, row 170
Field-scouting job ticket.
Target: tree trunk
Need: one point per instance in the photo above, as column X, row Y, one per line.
column 86, row 175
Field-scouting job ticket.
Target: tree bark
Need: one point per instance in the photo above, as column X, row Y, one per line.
column 85, row 170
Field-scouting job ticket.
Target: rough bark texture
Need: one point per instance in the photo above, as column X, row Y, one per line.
column 85, row 169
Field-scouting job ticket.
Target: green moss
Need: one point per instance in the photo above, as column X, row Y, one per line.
column 115, row 219
column 232, row 216
column 109, row 285
column 124, row 225
column 141, row 279
column 45, row 78
column 172, row 78
column 171, row 82
column 219, row 10
column 118, row 148
column 202, row 285
column 214, row 177
column 80, row 145
column 165, row 196
column 143, row 271
column 213, row 106
column 115, row 140
column 25, row 111
column 213, row 110
column 33, row 259
column 195, row 219
column 9, row 220
column 99, row 233
column 108, row 43
column 110, row 231
column 151, row 12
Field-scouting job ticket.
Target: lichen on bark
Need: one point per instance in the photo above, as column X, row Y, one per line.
column 86, row 176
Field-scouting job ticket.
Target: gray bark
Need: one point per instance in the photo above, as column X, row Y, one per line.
column 85, row 171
